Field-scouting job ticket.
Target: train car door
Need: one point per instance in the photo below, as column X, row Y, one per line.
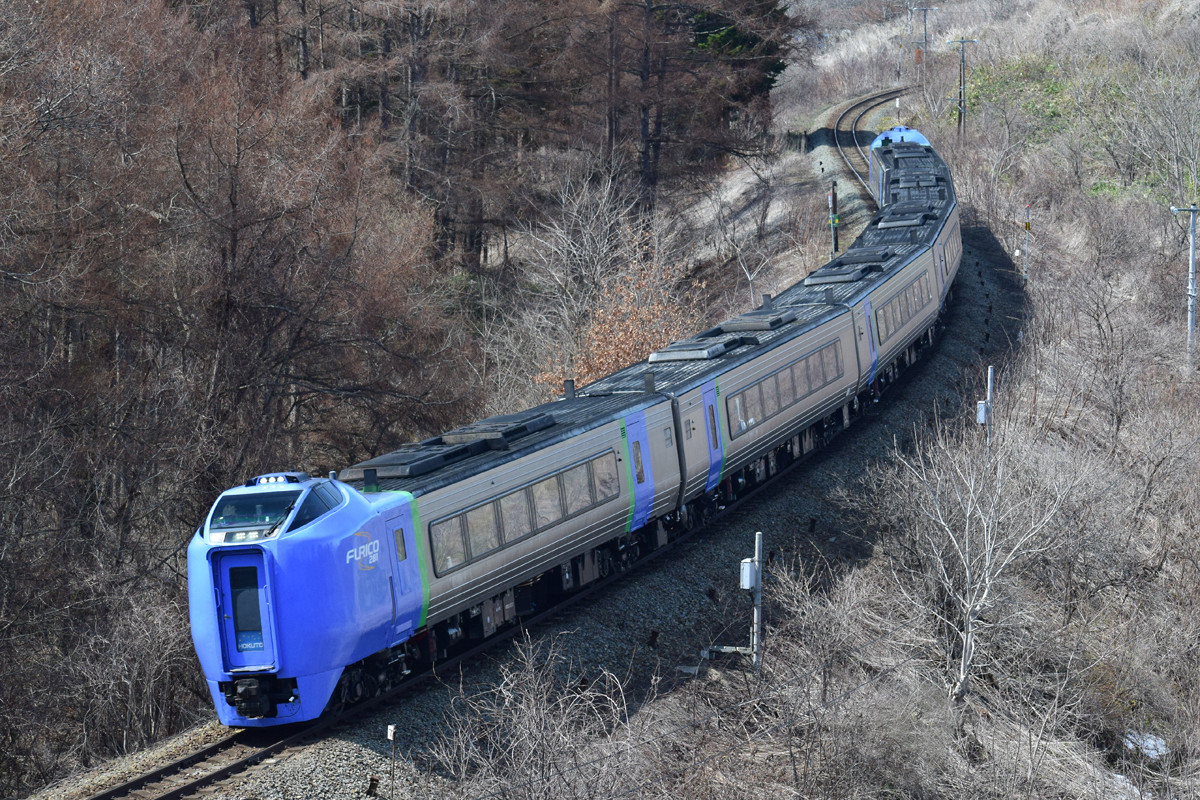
column 939, row 266
column 641, row 472
column 244, row 607
column 410, row 591
column 869, row 333
column 716, row 441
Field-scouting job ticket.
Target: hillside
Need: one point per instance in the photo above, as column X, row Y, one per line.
column 1022, row 622
column 245, row 236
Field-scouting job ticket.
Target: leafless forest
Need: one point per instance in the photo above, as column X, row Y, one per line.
column 290, row 233
column 241, row 236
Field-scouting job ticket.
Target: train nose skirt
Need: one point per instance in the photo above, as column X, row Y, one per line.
column 258, row 697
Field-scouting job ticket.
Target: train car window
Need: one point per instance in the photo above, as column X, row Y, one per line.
column 816, row 372
column 712, row 427
column 449, row 550
column 313, row 507
column 604, row 474
column 902, row 308
column 547, row 502
column 639, row 471
column 251, row 510
column 687, row 430
column 331, row 494
column 800, row 378
column 482, row 532
column 667, row 437
column 770, row 396
column 247, row 617
column 787, row 391
column 401, row 553
column 837, row 359
column 736, row 413
column 577, row 486
column 754, row 408
column 832, row 372
column 514, row 515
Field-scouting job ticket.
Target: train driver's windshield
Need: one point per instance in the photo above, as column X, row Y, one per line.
column 251, row 510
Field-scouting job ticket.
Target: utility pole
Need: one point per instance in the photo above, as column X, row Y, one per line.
column 962, row 78
column 1191, row 335
column 924, row 35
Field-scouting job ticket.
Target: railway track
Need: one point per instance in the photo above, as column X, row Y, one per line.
column 849, row 145
column 245, row 749
column 206, row 765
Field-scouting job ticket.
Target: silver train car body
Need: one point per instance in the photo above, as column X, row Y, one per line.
column 716, row 413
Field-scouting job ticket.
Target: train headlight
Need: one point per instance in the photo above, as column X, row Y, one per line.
column 240, row 537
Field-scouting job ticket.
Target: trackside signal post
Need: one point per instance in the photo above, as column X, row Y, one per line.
column 1191, row 333
column 751, row 580
column 1025, row 277
column 833, row 217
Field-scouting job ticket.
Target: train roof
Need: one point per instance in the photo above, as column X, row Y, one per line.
column 687, row 364
column 424, row 466
column 900, row 133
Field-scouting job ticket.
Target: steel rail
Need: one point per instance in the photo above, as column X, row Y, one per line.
column 862, row 107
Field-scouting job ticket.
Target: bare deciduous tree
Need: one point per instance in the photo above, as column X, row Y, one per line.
column 963, row 516
column 546, row 729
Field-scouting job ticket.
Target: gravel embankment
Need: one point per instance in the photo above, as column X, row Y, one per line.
column 680, row 599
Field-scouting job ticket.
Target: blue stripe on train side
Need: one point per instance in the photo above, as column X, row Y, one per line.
column 410, row 587
column 637, row 442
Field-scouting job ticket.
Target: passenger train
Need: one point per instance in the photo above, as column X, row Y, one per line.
column 308, row 592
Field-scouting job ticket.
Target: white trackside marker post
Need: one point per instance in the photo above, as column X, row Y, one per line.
column 392, row 738
column 983, row 409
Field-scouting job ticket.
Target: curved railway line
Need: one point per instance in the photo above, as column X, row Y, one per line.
column 244, row 749
column 845, row 135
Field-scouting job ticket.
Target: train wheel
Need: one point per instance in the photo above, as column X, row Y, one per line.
column 604, row 563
